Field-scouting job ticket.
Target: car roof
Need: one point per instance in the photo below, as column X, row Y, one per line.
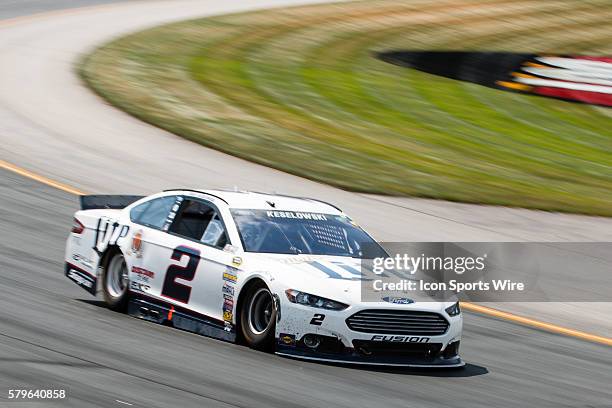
column 268, row 201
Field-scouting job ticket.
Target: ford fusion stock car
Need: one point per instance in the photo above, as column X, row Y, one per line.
column 273, row 272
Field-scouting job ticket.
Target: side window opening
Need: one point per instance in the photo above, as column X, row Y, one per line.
column 137, row 211
column 153, row 213
column 198, row 221
column 214, row 234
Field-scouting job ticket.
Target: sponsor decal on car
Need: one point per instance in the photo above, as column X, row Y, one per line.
column 228, row 316
column 296, row 215
column 401, row 339
column 228, row 312
column 298, row 259
column 137, row 244
column 81, row 278
column 286, row 339
column 139, row 287
column 78, row 278
column 143, row 273
column 88, row 263
column 229, row 277
column 228, row 304
column 338, row 270
column 397, row 300
column 227, row 289
column 109, row 232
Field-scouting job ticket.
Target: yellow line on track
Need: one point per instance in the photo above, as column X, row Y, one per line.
column 41, row 179
column 472, row 307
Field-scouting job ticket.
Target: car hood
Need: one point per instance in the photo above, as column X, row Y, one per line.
column 334, row 277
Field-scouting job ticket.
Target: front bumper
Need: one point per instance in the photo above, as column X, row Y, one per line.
column 352, row 356
column 341, row 344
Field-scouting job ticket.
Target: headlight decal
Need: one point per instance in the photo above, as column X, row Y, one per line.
column 303, row 298
column 453, row 310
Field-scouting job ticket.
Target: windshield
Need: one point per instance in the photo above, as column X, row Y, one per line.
column 291, row 232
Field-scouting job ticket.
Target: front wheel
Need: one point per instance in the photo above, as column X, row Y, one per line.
column 258, row 318
column 115, row 282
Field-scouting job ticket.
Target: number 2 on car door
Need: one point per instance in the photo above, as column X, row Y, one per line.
column 175, row 290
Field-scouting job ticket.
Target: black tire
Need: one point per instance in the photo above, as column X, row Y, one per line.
column 114, row 283
column 258, row 317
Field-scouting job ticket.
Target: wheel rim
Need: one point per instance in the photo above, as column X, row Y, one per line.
column 117, row 276
column 261, row 309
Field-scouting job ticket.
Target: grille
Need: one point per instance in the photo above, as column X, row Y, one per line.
column 398, row 322
column 369, row 348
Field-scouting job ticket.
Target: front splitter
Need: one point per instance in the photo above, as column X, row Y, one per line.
column 355, row 359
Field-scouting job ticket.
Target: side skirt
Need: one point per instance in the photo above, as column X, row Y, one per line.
column 81, row 277
column 157, row 311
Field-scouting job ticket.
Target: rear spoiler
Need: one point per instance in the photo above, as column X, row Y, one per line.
column 117, row 202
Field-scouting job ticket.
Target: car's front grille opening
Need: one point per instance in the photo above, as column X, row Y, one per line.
column 369, row 348
column 452, row 350
column 400, row 322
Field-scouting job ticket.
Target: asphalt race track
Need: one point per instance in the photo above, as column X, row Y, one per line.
column 52, row 124
column 55, row 335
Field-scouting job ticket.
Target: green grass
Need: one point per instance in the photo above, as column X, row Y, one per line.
column 298, row 89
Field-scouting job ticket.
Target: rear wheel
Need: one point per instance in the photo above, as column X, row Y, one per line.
column 115, row 281
column 258, row 318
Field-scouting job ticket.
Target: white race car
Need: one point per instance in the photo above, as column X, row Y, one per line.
column 274, row 272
